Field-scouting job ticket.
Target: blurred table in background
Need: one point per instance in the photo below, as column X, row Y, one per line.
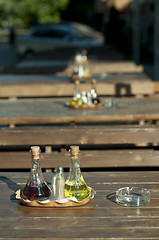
column 56, row 111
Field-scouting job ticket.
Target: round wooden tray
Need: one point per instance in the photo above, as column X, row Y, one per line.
column 53, row 204
column 85, row 76
column 84, row 106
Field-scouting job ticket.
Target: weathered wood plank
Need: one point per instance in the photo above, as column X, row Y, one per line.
column 105, row 177
column 59, row 89
column 55, row 111
column 82, row 233
column 120, row 84
column 89, row 210
column 115, row 66
column 80, row 135
column 101, row 218
column 156, row 87
column 89, row 159
column 82, row 223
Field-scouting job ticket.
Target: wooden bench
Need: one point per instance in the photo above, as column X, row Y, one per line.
column 98, row 67
column 48, row 89
column 101, row 146
column 12, row 86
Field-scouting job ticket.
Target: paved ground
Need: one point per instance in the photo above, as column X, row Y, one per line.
column 149, row 70
column 7, row 55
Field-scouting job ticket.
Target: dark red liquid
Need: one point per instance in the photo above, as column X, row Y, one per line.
column 33, row 192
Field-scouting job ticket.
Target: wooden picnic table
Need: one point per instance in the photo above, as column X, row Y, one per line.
column 56, row 111
column 101, row 218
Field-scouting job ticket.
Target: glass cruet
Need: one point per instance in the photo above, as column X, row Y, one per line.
column 76, row 89
column 94, row 97
column 36, row 188
column 75, row 185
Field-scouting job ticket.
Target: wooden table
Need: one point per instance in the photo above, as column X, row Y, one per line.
column 101, row 218
column 56, row 111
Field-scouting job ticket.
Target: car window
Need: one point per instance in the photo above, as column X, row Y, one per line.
column 56, row 33
column 82, row 35
column 85, row 31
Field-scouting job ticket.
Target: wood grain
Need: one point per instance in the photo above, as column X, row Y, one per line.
column 101, row 218
column 89, row 159
column 56, row 111
column 80, row 135
column 46, row 86
column 101, row 145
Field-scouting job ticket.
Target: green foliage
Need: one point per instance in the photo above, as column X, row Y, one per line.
column 29, row 12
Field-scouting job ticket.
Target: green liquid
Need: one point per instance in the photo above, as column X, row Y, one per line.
column 77, row 101
column 79, row 190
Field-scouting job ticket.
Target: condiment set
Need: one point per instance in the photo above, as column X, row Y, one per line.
column 80, row 68
column 83, row 99
column 36, row 189
column 72, row 192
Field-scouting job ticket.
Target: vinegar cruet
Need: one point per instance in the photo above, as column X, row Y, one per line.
column 36, row 188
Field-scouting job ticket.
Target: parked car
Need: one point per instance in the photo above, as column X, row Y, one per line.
column 44, row 37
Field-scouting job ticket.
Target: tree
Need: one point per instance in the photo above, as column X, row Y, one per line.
column 30, row 12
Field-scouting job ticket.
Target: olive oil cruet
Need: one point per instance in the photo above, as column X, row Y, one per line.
column 75, row 185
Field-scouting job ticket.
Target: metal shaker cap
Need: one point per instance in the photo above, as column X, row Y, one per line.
column 59, row 169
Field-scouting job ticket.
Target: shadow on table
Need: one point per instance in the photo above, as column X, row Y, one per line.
column 111, row 197
column 11, row 185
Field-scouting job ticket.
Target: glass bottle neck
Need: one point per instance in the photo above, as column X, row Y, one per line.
column 75, row 171
column 36, row 167
column 35, row 164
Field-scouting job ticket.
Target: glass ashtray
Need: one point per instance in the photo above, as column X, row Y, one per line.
column 132, row 196
column 111, row 103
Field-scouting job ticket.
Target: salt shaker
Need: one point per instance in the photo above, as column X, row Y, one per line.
column 89, row 99
column 84, row 97
column 58, row 183
column 53, row 182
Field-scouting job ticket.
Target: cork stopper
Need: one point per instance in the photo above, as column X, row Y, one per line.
column 35, row 150
column 94, row 81
column 77, row 82
column 84, row 51
column 74, row 150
